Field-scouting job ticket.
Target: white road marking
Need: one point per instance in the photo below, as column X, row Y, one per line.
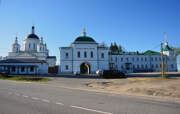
column 102, row 112
column 58, row 103
column 34, row 98
column 45, row 100
column 17, row 94
column 25, row 96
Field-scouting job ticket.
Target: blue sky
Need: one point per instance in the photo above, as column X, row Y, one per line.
column 135, row 24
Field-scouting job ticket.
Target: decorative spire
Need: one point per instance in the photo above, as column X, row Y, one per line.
column 41, row 40
column 84, row 32
column 16, row 40
column 33, row 30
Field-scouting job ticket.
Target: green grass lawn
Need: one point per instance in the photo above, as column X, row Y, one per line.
column 25, row 78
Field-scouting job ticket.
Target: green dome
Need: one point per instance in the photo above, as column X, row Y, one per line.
column 84, row 39
column 167, row 48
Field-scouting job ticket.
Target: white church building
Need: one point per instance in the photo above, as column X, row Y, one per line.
column 32, row 58
column 83, row 56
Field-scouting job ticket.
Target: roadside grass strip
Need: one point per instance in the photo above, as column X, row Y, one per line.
column 25, row 78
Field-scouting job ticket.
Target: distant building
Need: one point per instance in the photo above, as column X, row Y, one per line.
column 32, row 57
column 83, row 56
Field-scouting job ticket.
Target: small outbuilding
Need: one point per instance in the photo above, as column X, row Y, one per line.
column 24, row 66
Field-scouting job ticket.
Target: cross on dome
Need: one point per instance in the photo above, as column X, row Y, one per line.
column 84, row 32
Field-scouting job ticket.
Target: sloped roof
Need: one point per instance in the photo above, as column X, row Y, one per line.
column 22, row 61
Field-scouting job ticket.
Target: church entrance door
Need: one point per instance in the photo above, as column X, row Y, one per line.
column 85, row 68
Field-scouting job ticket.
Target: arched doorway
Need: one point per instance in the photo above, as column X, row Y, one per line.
column 85, row 68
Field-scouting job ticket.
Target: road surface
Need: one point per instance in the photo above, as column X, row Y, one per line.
column 40, row 98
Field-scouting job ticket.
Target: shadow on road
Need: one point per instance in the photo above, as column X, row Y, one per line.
column 76, row 76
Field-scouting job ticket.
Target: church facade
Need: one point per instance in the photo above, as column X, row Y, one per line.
column 33, row 57
column 84, row 55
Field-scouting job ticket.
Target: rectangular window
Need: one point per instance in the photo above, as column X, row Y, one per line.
column 172, row 66
column 151, row 59
column 156, row 65
column 116, row 59
column 127, row 59
column 137, row 59
column 22, row 69
column 145, row 59
column 67, row 67
column 156, row 59
column 31, row 69
column 141, row 59
column 13, row 69
column 85, row 54
column 78, row 54
column 133, row 59
column 146, row 66
column 34, row 46
column 152, row 66
column 121, row 59
column 102, row 55
column 91, row 54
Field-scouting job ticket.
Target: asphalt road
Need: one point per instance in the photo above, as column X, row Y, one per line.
column 39, row 98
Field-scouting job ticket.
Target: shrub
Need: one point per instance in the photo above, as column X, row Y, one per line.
column 4, row 74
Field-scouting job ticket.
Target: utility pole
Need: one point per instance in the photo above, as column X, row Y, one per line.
column 162, row 63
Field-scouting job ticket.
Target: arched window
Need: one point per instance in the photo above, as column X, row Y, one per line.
column 29, row 45
column 85, row 54
column 91, row 54
column 78, row 54
column 67, row 54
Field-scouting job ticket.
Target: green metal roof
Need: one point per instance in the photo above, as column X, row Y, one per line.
column 84, row 39
column 117, row 53
column 167, row 48
column 150, row 52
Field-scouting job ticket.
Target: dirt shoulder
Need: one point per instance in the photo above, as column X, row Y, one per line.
column 167, row 88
